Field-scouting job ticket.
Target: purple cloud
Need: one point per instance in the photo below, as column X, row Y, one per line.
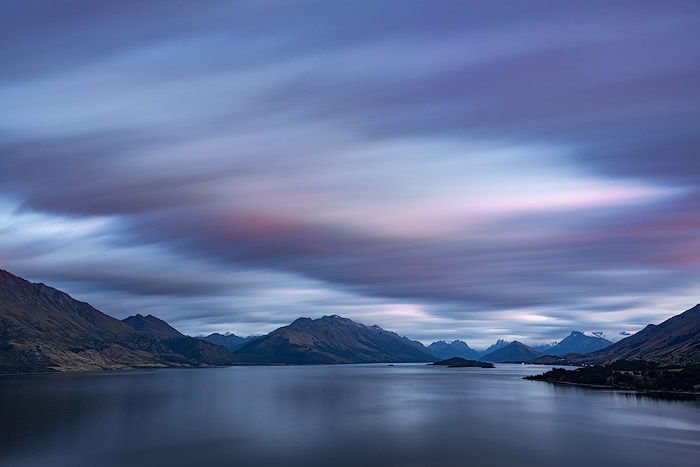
column 458, row 170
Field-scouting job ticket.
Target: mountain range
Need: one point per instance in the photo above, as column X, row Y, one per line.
column 228, row 340
column 449, row 349
column 44, row 329
column 332, row 339
column 676, row 340
column 576, row 342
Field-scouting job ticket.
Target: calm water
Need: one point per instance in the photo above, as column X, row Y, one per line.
column 336, row 415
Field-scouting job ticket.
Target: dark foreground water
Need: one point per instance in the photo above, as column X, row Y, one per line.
column 336, row 415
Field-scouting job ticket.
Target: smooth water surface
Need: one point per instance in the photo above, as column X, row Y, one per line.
column 410, row 414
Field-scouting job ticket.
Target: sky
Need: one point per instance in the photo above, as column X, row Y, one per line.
column 446, row 170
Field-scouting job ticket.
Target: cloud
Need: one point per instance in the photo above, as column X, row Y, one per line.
column 453, row 170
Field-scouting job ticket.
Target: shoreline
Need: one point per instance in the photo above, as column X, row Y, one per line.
column 151, row 368
column 618, row 389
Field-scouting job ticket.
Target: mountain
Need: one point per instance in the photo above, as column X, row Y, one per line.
column 445, row 350
column 332, row 339
column 500, row 343
column 195, row 350
column 230, row 341
column 579, row 343
column 513, row 352
column 676, row 340
column 44, row 329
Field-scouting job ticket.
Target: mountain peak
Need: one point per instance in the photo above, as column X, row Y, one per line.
column 301, row 320
column 578, row 342
column 518, row 344
column 334, row 318
column 153, row 325
column 516, row 351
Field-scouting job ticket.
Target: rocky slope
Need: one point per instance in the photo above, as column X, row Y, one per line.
column 676, row 340
column 44, row 329
column 194, row 350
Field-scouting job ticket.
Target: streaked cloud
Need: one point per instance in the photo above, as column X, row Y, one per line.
column 456, row 170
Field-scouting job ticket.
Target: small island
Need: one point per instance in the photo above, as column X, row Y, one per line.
column 636, row 375
column 459, row 362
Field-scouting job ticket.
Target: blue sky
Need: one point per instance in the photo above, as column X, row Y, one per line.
column 442, row 169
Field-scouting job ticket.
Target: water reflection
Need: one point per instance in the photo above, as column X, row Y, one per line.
column 336, row 415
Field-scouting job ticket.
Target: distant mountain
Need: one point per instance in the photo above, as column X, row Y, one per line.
column 195, row 350
column 445, row 350
column 513, row 352
column 230, row 341
column 611, row 336
column 44, row 329
column 500, row 343
column 676, row 340
column 579, row 343
column 543, row 348
column 331, row 339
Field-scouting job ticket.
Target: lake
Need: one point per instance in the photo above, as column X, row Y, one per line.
column 404, row 415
